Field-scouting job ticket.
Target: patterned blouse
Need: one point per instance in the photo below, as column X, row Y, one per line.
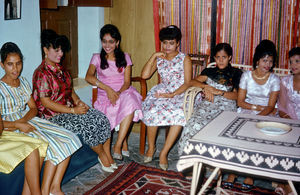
column 55, row 83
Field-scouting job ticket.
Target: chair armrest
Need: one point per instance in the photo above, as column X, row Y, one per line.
column 188, row 102
column 94, row 94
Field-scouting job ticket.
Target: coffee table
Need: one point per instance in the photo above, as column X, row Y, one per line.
column 232, row 141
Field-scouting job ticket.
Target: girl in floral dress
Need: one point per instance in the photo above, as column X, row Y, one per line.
column 15, row 95
column 163, row 105
column 120, row 102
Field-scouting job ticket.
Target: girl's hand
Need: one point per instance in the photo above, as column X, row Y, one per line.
column 159, row 54
column 209, row 93
column 164, row 95
column 80, row 109
column 24, row 127
column 80, row 103
column 112, row 96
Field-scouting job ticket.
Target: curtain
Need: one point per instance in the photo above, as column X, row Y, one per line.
column 241, row 23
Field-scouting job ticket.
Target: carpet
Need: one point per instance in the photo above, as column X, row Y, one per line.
column 136, row 179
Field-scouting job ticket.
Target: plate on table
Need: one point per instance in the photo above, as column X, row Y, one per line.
column 273, row 128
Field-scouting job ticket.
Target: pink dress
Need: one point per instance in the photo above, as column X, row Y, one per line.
column 129, row 100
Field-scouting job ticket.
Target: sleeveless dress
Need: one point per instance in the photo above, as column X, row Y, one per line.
column 15, row 147
column 292, row 98
column 13, row 100
column 257, row 94
column 129, row 100
column 166, row 111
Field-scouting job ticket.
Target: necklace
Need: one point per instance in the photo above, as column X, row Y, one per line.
column 260, row 78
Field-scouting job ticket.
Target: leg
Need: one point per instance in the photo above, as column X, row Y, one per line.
column 106, row 147
column 32, row 174
column 49, row 172
column 151, row 136
column 102, row 155
column 124, row 127
column 171, row 138
column 59, row 174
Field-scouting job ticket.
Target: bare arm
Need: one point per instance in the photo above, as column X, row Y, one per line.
column 283, row 102
column 127, row 77
column 150, row 67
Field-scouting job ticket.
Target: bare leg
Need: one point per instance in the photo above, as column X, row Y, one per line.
column 32, row 174
column 106, row 147
column 124, row 127
column 171, row 138
column 151, row 136
column 59, row 174
column 49, row 172
column 102, row 155
column 125, row 144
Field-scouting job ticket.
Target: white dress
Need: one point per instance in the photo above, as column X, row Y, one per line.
column 257, row 94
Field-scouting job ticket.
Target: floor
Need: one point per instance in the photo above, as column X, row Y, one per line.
column 95, row 175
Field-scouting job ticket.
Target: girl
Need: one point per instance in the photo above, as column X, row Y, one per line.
column 220, row 85
column 163, row 105
column 14, row 148
column 15, row 94
column 120, row 102
column 57, row 101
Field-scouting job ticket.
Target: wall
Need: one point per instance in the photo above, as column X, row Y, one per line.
column 25, row 32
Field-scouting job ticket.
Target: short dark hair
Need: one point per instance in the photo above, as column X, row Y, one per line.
column 49, row 38
column 223, row 46
column 263, row 49
column 8, row 48
column 294, row 51
column 169, row 33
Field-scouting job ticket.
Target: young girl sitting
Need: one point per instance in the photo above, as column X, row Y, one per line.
column 163, row 105
column 119, row 101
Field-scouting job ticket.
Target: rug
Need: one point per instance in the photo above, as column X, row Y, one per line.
column 136, row 179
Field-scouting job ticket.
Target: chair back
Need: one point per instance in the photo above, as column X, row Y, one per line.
column 199, row 63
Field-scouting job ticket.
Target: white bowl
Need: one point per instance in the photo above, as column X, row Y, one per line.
column 273, row 128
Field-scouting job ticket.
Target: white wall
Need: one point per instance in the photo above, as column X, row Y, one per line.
column 90, row 20
column 25, row 32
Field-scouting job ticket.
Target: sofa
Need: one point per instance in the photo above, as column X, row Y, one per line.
column 81, row 160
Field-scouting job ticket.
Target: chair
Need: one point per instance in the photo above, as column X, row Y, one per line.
column 143, row 88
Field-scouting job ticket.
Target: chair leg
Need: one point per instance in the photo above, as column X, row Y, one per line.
column 142, row 138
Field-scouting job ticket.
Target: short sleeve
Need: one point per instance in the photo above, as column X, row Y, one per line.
column 275, row 83
column 26, row 85
column 128, row 59
column 243, row 80
column 42, row 85
column 95, row 60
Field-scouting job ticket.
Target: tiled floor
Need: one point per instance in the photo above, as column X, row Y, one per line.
column 95, row 175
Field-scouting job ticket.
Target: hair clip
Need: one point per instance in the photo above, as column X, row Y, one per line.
column 171, row 26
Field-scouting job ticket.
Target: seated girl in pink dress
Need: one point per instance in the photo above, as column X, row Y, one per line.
column 289, row 97
column 119, row 101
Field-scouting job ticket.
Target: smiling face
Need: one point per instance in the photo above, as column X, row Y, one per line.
column 222, row 59
column 12, row 66
column 53, row 55
column 264, row 64
column 169, row 46
column 109, row 44
column 295, row 64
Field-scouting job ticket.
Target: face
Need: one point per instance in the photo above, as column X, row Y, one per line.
column 264, row 64
column 53, row 55
column 295, row 64
column 169, row 46
column 109, row 44
column 12, row 66
column 222, row 59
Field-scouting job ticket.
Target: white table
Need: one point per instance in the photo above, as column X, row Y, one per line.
column 233, row 142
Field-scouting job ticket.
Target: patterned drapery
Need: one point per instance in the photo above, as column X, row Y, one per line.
column 241, row 23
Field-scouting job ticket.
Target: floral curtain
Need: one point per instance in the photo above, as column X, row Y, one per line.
column 241, row 23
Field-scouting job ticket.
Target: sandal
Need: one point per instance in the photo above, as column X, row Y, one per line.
column 227, row 185
column 246, row 187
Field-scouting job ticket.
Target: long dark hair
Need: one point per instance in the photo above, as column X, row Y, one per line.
column 119, row 54
column 264, row 48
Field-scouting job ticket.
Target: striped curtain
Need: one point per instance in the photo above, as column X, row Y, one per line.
column 241, row 23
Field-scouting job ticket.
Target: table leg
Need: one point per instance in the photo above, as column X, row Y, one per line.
column 292, row 187
column 211, row 177
column 196, row 173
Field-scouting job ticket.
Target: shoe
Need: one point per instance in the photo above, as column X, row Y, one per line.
column 163, row 166
column 148, row 159
column 246, row 187
column 227, row 185
column 114, row 166
column 106, row 169
column 125, row 153
column 117, row 156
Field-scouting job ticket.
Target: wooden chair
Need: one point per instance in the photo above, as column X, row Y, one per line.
column 143, row 87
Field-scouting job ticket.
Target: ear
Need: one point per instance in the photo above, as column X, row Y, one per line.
column 2, row 65
column 117, row 44
column 45, row 50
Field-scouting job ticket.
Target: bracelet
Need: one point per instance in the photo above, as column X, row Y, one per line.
column 254, row 107
column 72, row 110
column 97, row 83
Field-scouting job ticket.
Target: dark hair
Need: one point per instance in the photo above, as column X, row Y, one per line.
column 169, row 33
column 49, row 38
column 8, row 48
column 294, row 51
column 264, row 48
column 119, row 54
column 223, row 46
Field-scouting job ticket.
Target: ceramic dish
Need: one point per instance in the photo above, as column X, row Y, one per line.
column 273, row 128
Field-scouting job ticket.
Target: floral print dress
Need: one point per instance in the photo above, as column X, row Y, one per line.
column 166, row 111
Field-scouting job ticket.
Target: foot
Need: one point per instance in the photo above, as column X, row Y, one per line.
column 114, row 166
column 163, row 166
column 163, row 161
column 149, row 155
column 106, row 169
column 117, row 156
column 247, row 184
column 125, row 153
column 229, row 183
